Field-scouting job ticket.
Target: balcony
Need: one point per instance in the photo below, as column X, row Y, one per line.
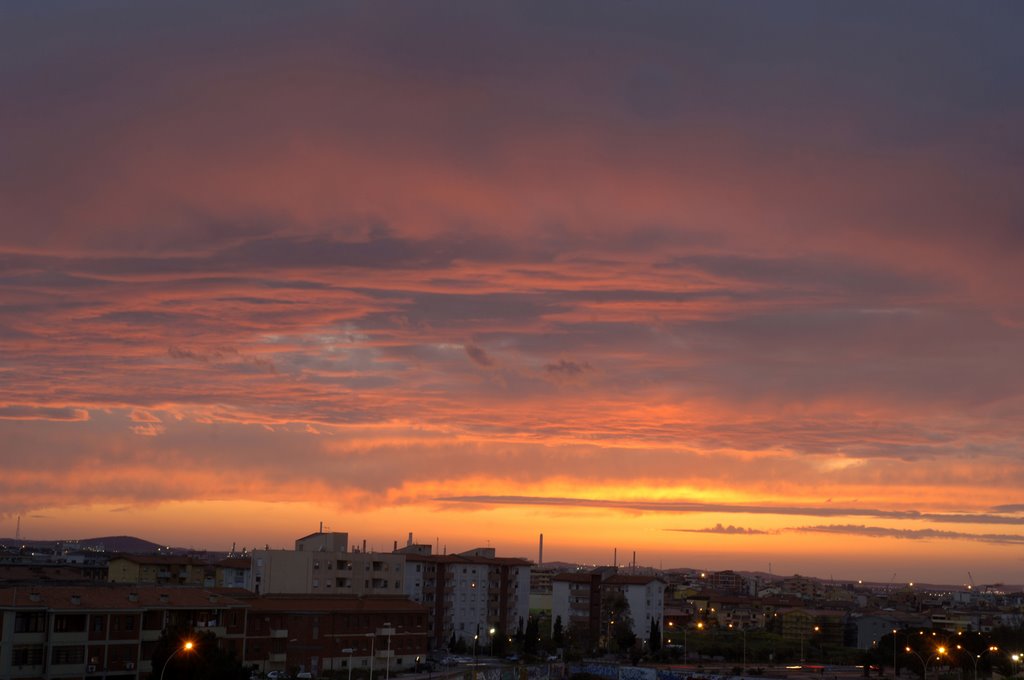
column 69, row 638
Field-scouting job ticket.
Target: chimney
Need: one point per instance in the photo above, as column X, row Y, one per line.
column 395, row 549
column 364, row 545
column 540, row 552
column 409, row 542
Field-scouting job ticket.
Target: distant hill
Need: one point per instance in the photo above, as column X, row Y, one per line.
column 124, row 544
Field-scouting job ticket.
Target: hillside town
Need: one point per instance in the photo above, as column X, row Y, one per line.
column 330, row 608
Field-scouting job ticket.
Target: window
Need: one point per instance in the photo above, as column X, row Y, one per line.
column 66, row 655
column 27, row 655
column 29, row 622
column 316, row 583
column 69, row 623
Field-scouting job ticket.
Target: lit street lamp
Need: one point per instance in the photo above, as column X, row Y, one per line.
column 492, row 631
column 939, row 653
column 187, row 647
column 802, row 637
column 974, row 658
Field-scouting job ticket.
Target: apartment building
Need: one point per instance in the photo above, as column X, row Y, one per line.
column 233, row 572
column 104, row 631
column 469, row 593
column 319, row 633
column 110, row 631
column 158, row 570
column 322, row 563
column 576, row 599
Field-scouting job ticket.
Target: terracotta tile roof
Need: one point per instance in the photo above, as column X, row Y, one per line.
column 628, row 580
column 157, row 559
column 574, row 577
column 329, row 603
column 105, row 596
column 236, row 563
column 462, row 559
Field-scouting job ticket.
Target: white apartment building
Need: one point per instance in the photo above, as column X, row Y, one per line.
column 469, row 593
column 576, row 599
column 321, row 563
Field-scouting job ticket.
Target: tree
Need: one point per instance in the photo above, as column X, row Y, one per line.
column 617, row 621
column 557, row 634
column 531, row 636
column 206, row 660
column 654, row 641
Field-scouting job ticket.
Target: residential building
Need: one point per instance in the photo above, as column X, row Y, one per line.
column 576, row 599
column 321, row 563
column 468, row 594
column 320, row 633
column 234, row 572
column 157, row 570
column 105, row 631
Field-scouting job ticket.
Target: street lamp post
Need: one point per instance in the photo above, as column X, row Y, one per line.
column 802, row 637
column 388, row 631
column 975, row 658
column 373, row 641
column 939, row 653
column 492, row 631
column 349, row 650
column 744, row 631
column 187, row 647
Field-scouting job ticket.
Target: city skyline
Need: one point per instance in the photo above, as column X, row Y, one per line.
column 724, row 284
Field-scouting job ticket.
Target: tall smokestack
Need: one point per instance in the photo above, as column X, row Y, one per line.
column 410, row 539
column 615, row 557
column 364, row 545
column 540, row 552
column 395, row 549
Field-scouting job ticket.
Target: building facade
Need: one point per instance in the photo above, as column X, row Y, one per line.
column 321, row 563
column 576, row 600
column 468, row 594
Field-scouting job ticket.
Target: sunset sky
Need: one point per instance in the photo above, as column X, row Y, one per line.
column 728, row 284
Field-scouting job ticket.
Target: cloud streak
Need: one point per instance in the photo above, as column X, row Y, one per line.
column 743, row 509
column 912, row 534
